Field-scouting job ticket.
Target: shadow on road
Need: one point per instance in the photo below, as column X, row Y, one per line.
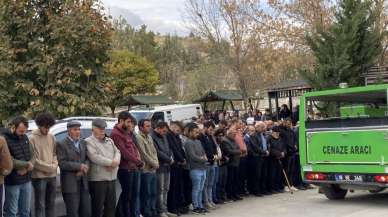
column 375, row 200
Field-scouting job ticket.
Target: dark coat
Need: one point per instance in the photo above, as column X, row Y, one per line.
column 290, row 140
column 165, row 155
column 176, row 147
column 210, row 147
column 70, row 160
column 277, row 146
column 231, row 150
column 254, row 145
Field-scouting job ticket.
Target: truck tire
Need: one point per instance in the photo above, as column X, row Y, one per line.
column 334, row 192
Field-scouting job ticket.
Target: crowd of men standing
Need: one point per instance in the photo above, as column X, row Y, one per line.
column 164, row 169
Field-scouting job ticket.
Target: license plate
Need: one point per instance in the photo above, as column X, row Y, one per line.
column 349, row 178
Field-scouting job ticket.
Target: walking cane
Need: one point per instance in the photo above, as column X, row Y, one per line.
column 285, row 176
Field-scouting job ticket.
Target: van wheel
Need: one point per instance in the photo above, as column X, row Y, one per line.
column 334, row 192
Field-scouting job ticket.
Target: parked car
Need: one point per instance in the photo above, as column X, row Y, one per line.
column 59, row 130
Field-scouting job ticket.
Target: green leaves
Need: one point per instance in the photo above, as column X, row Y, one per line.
column 52, row 56
column 348, row 48
column 126, row 74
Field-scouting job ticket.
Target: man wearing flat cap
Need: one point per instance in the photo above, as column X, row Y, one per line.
column 74, row 166
column 104, row 160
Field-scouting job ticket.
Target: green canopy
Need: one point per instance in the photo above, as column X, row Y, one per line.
column 148, row 100
column 221, row 95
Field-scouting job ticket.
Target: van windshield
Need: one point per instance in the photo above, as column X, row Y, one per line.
column 138, row 115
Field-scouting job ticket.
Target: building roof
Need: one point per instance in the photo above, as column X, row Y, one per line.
column 221, row 95
column 149, row 100
column 289, row 85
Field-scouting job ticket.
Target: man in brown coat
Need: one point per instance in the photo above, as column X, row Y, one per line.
column 5, row 169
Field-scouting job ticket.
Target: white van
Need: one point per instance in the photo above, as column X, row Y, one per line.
column 168, row 113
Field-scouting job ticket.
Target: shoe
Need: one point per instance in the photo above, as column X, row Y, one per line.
column 169, row 214
column 163, row 214
column 301, row 188
column 258, row 195
column 287, row 190
column 294, row 189
column 237, row 198
column 184, row 210
column 208, row 205
column 203, row 210
column 197, row 211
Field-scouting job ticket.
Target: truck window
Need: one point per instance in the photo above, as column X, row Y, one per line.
column 347, row 110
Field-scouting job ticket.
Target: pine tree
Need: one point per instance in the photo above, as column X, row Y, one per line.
column 347, row 48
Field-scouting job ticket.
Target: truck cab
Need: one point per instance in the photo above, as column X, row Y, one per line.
column 343, row 139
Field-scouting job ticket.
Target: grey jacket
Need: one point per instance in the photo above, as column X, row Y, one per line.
column 101, row 155
column 147, row 152
column 165, row 155
column 70, row 160
column 194, row 154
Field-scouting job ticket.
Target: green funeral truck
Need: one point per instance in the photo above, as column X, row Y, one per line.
column 343, row 139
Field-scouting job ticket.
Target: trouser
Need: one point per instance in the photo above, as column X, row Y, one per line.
column 265, row 183
column 187, row 186
column 276, row 175
column 128, row 204
column 255, row 164
column 148, row 194
column 163, row 185
column 242, row 175
column 18, row 200
column 45, row 194
column 2, row 197
column 103, row 197
column 232, row 182
column 175, row 199
column 291, row 160
column 222, row 181
column 77, row 203
column 208, row 188
column 198, row 178
column 298, row 181
column 216, row 177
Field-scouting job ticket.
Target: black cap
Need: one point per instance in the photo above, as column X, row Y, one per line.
column 276, row 129
column 72, row 124
column 99, row 123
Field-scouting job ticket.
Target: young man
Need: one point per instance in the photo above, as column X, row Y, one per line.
column 5, row 169
column 277, row 152
column 71, row 153
column 209, row 145
column 176, row 202
column 104, row 160
column 18, row 189
column 288, row 135
column 130, row 165
column 222, row 168
column 148, row 176
column 196, row 158
column 46, row 164
column 166, row 159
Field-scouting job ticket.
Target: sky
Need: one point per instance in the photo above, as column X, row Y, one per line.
column 163, row 16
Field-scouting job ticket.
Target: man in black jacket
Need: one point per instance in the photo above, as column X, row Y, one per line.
column 232, row 151
column 289, row 137
column 166, row 159
column 18, row 188
column 209, row 145
column 71, row 153
column 255, row 161
column 176, row 200
column 277, row 152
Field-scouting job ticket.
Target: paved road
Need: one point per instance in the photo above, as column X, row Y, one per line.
column 306, row 203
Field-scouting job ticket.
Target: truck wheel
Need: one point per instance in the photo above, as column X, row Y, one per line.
column 375, row 191
column 334, row 192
